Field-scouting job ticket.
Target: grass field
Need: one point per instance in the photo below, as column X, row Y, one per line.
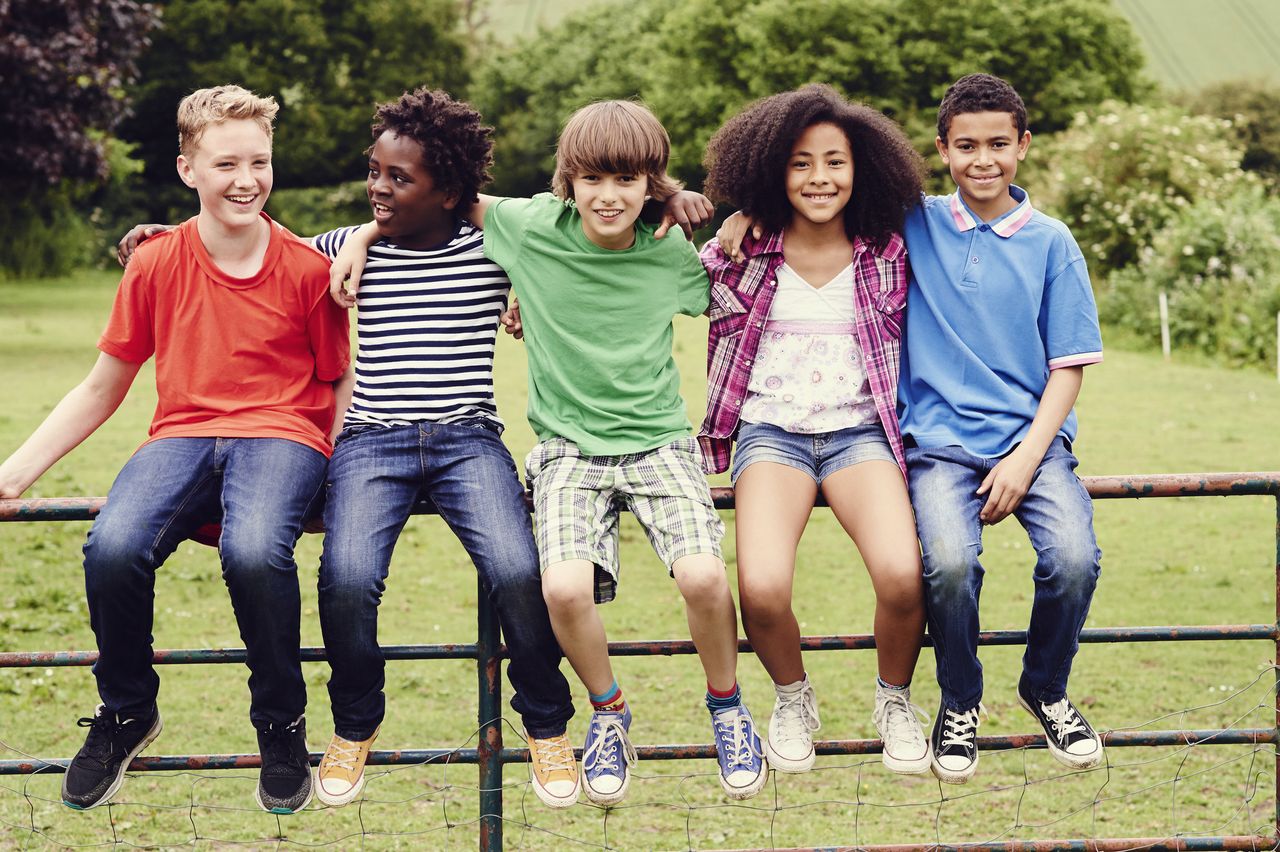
column 1185, row 561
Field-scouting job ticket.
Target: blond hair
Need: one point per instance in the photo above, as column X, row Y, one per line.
column 614, row 137
column 205, row 107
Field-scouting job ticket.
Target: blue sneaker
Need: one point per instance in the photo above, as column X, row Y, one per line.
column 607, row 757
column 743, row 768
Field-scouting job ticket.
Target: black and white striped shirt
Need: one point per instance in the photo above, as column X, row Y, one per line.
column 426, row 326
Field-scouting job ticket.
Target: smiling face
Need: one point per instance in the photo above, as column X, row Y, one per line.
column 609, row 204
column 983, row 150
column 820, row 175
column 408, row 207
column 230, row 170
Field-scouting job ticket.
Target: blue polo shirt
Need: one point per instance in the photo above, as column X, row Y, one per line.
column 992, row 307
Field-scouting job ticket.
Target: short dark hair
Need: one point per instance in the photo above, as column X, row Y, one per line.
column 747, row 160
column 457, row 147
column 980, row 93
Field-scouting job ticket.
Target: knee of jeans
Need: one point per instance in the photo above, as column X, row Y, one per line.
column 110, row 555
column 948, row 565
column 1072, row 566
column 244, row 557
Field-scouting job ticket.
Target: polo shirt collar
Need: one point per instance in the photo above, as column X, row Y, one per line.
column 1006, row 226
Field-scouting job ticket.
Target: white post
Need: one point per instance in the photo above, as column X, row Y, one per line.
column 1164, row 325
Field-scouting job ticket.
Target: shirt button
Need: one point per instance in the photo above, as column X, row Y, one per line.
column 984, row 227
column 746, row 361
column 975, row 260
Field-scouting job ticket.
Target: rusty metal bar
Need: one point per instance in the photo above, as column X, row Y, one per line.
column 1099, row 487
column 663, row 647
column 687, row 751
column 1108, row 844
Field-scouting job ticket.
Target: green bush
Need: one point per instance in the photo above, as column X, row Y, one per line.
column 43, row 234
column 1253, row 107
column 1121, row 173
column 1219, row 263
column 317, row 209
column 697, row 62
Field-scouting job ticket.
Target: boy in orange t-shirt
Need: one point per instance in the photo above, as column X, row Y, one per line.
column 251, row 356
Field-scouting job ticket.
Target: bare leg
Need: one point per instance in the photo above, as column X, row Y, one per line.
column 773, row 505
column 713, row 621
column 870, row 501
column 569, row 590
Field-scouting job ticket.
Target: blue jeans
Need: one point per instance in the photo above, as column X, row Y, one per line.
column 376, row 476
column 1057, row 515
column 261, row 488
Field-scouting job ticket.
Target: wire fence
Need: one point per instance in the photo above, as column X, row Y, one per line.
column 1173, row 754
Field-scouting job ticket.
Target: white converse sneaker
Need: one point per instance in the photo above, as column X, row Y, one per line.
column 906, row 750
column 791, row 727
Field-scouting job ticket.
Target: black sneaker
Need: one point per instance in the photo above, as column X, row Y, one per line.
column 97, row 770
column 1070, row 738
column 284, row 785
column 955, row 744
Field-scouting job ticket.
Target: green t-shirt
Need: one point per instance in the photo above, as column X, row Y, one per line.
column 597, row 324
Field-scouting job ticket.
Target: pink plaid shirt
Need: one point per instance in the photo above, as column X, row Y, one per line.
column 741, row 295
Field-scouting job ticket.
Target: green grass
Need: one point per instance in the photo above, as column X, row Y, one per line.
column 1190, row 44
column 1185, row 561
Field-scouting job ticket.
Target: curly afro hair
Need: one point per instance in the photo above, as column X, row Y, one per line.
column 457, row 147
column 980, row 93
column 747, row 159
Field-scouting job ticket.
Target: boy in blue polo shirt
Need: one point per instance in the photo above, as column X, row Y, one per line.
column 1000, row 323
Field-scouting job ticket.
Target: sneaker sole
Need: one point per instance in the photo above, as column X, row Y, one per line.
column 556, row 802
column 920, row 766
column 1066, row 758
column 147, row 739
column 339, row 800
column 782, row 764
column 740, row 793
column 282, row 811
column 605, row 799
column 953, row 776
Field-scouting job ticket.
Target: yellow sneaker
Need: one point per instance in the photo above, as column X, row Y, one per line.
column 554, row 771
column 341, row 772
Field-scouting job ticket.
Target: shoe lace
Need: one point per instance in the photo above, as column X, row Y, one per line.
column 796, row 714
column 898, row 717
column 960, row 728
column 733, row 729
column 604, row 751
column 1064, row 718
column 103, row 730
column 343, row 753
column 278, row 757
column 553, row 754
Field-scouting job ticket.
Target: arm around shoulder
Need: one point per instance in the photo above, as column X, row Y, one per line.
column 86, row 407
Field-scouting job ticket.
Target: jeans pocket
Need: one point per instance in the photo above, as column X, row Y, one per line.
column 352, row 431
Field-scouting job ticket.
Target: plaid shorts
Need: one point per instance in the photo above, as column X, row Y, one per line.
column 576, row 500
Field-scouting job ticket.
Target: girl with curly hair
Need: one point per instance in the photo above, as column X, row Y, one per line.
column 803, row 374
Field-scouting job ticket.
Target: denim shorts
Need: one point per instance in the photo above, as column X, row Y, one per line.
column 819, row 455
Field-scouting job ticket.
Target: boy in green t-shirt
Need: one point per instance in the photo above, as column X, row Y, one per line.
column 598, row 289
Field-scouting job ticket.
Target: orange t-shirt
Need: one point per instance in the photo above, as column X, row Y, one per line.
column 235, row 357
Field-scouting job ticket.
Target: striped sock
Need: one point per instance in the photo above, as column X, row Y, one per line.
column 610, row 701
column 717, row 700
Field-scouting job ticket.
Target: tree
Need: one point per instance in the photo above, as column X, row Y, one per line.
column 327, row 63
column 63, row 67
column 697, row 62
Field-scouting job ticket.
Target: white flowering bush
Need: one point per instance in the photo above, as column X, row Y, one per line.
column 1219, row 263
column 1119, row 174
